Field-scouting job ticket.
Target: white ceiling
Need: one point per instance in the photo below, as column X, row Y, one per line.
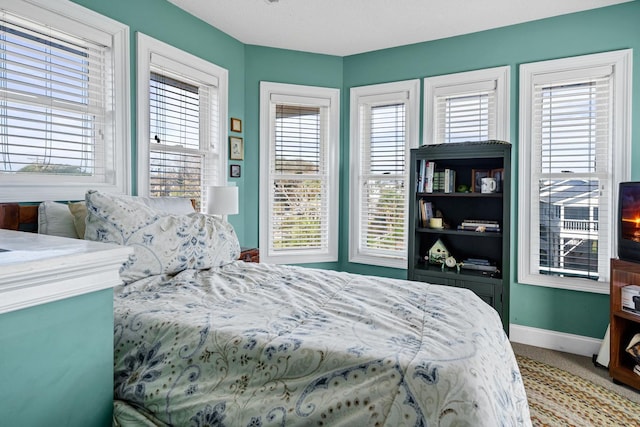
column 347, row 27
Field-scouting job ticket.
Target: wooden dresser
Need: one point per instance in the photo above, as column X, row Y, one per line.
column 250, row 254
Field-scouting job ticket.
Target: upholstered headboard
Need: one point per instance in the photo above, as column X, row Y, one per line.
column 19, row 217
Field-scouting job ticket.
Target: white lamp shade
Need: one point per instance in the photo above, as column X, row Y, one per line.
column 222, row 200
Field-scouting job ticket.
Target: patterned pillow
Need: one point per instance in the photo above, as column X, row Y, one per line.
column 163, row 243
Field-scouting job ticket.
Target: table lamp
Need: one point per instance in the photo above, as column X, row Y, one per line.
column 222, row 201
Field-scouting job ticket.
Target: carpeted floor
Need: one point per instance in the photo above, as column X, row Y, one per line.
column 569, row 390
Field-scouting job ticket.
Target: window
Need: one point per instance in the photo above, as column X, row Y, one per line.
column 299, row 141
column 182, row 122
column 64, row 97
column 384, row 127
column 575, row 145
column 469, row 106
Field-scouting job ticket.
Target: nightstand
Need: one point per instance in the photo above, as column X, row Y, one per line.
column 250, row 254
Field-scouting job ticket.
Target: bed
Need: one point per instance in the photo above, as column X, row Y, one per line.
column 202, row 339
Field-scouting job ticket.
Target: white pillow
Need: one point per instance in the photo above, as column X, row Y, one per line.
column 174, row 205
column 55, row 219
column 163, row 243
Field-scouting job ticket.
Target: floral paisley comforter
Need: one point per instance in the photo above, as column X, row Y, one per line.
column 265, row 345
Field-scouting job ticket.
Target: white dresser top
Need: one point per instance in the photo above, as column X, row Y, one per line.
column 36, row 269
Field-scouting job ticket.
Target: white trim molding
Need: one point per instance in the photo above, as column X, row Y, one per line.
column 618, row 66
column 37, row 269
column 553, row 340
column 362, row 100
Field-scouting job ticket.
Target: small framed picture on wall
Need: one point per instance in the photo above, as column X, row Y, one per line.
column 236, row 148
column 236, row 125
column 234, row 171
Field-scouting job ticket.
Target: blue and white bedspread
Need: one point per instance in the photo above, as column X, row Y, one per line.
column 265, row 345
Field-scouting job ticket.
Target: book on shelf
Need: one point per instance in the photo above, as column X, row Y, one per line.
column 425, row 178
column 480, row 261
column 473, row 224
column 479, row 264
column 479, row 228
column 420, row 177
column 438, row 181
column 429, row 171
column 479, row 267
column 426, row 212
column 480, row 221
column 449, row 181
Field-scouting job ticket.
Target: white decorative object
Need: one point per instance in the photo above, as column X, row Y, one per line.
column 438, row 253
column 222, row 200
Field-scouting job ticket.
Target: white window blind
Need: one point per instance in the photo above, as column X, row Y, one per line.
column 572, row 138
column 383, row 177
column 468, row 106
column 177, row 158
column 299, row 177
column 470, row 117
column 52, row 101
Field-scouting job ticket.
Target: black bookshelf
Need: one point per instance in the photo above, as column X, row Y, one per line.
column 491, row 158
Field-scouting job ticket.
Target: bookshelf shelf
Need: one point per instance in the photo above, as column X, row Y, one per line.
column 466, row 159
column 624, row 324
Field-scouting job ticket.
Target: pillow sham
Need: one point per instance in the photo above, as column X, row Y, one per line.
column 163, row 243
column 79, row 212
column 54, row 219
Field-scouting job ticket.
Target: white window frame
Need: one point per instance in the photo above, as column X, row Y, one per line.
column 311, row 96
column 81, row 22
column 618, row 167
column 468, row 82
column 407, row 92
column 152, row 52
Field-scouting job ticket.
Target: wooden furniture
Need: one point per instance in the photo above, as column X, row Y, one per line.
column 19, row 217
column 250, row 254
column 624, row 324
column 469, row 161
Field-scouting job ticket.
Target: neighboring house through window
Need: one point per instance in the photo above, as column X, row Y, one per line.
column 299, row 142
column 182, row 116
column 64, row 102
column 574, row 150
column 468, row 106
column 384, row 127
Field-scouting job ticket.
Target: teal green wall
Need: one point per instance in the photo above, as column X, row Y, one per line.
column 56, row 363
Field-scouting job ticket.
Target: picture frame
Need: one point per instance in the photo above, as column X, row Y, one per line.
column 236, row 148
column 236, row 125
column 498, row 174
column 476, row 179
column 234, row 171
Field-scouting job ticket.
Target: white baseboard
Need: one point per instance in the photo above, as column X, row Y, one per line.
column 560, row 341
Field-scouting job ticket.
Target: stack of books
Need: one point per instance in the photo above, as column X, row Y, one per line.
column 479, row 225
column 425, row 212
column 479, row 264
column 425, row 176
column 430, row 180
